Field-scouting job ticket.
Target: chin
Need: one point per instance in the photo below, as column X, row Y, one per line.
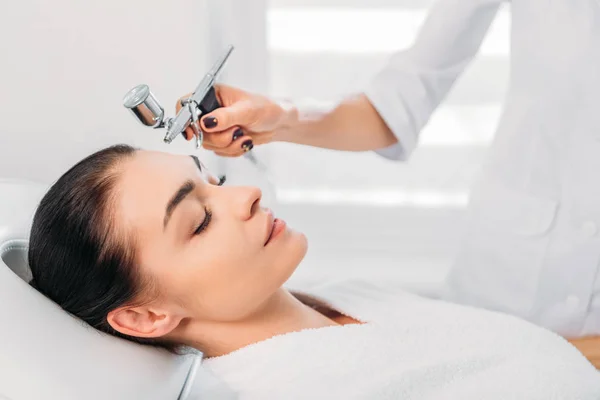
column 300, row 241
column 293, row 252
column 304, row 241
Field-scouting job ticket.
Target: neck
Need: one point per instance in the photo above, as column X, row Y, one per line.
column 282, row 313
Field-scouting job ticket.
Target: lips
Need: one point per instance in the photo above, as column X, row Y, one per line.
column 270, row 226
column 275, row 227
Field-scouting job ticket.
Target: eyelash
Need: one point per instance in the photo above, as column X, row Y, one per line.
column 204, row 224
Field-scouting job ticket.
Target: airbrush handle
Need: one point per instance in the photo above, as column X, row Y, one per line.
column 209, row 103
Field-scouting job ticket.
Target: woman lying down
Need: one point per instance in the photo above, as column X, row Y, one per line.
column 149, row 247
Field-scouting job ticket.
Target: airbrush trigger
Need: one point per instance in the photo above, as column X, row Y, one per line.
column 194, row 123
column 206, row 106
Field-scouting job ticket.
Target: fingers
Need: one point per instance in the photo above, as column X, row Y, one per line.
column 221, row 125
column 237, row 148
column 220, row 140
column 241, row 113
column 189, row 133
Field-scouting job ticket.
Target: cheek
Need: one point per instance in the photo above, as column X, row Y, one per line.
column 208, row 271
column 226, row 279
column 255, row 278
column 251, row 267
column 230, row 244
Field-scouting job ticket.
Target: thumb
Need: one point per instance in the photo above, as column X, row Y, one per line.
column 240, row 113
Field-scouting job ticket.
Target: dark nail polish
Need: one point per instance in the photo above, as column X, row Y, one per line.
column 247, row 145
column 238, row 133
column 210, row 122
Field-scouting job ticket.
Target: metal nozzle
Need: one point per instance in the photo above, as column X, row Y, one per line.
column 145, row 106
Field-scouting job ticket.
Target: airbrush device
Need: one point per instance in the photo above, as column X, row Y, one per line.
column 144, row 105
column 146, row 108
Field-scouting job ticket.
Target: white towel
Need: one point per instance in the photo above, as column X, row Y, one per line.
column 409, row 348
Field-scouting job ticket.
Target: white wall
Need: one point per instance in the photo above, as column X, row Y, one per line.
column 66, row 64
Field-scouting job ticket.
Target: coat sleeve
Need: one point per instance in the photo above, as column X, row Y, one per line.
column 415, row 81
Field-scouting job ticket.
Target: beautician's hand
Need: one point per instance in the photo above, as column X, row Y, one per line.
column 590, row 348
column 248, row 119
column 245, row 120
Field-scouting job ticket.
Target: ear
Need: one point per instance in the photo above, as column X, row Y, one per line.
column 143, row 321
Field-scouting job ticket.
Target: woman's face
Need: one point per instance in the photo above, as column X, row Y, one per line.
column 212, row 251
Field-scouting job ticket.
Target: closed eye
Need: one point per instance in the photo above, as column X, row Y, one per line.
column 204, row 224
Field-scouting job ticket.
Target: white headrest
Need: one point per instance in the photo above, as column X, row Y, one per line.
column 47, row 354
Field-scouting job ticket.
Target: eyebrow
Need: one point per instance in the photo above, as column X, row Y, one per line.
column 185, row 189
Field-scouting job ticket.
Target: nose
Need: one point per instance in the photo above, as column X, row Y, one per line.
column 243, row 201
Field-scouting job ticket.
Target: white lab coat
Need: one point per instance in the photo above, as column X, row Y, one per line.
column 532, row 246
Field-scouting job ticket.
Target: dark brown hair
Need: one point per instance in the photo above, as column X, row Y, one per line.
column 77, row 259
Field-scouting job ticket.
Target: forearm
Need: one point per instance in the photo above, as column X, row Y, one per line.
column 411, row 86
column 589, row 347
column 352, row 125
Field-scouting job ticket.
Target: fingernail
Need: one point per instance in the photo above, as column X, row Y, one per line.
column 247, row 145
column 210, row 122
column 238, row 133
